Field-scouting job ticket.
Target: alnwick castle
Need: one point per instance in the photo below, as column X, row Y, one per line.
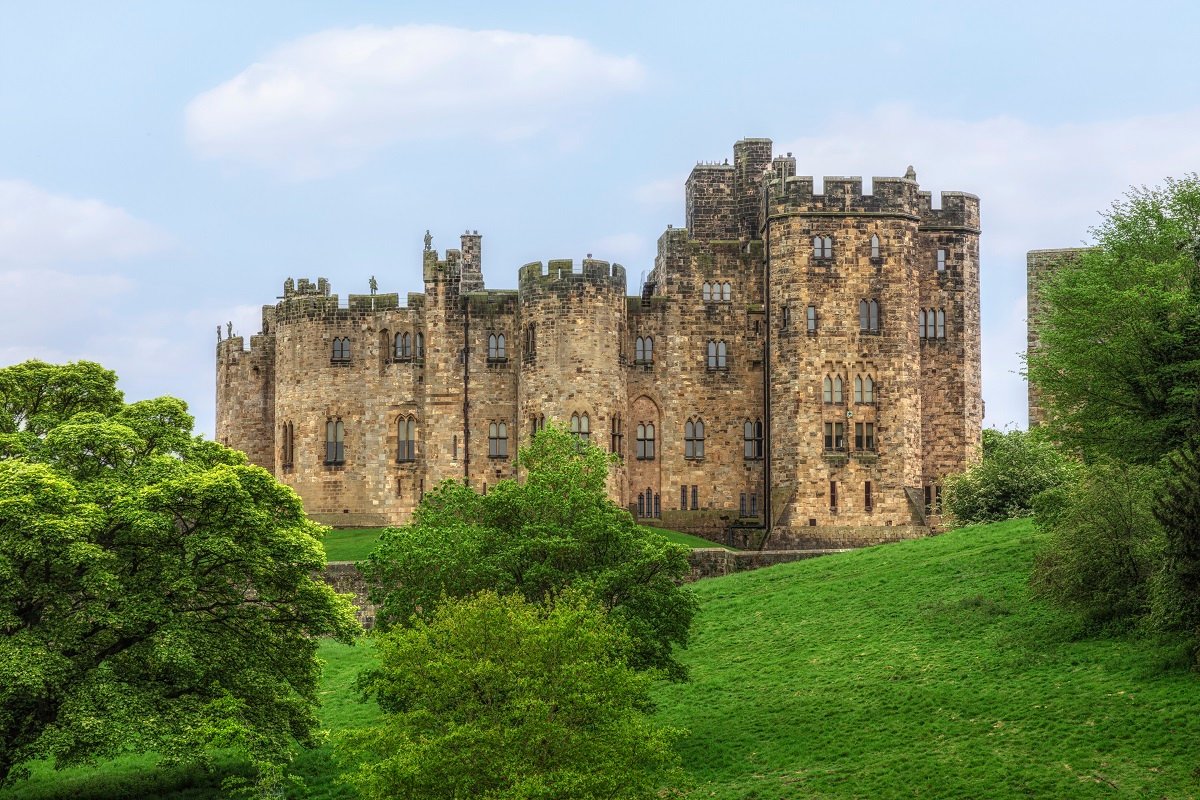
column 799, row 369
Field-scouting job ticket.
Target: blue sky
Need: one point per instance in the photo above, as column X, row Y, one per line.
column 165, row 166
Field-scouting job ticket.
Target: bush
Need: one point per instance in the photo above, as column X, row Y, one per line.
column 1104, row 543
column 1016, row 467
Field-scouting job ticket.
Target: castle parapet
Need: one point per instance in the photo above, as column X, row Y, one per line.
column 841, row 194
column 536, row 277
column 373, row 302
column 959, row 210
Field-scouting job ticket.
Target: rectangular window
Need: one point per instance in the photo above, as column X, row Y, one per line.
column 870, row 436
column 753, row 504
column 657, row 505
column 868, row 501
column 695, row 498
column 683, row 498
column 941, row 260
column 928, row 499
column 833, row 498
column 812, row 319
column 742, row 505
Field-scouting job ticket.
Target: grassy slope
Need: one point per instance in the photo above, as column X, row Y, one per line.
column 922, row 669
column 918, row 669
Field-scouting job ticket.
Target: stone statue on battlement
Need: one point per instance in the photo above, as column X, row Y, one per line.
column 374, row 285
column 218, row 333
column 428, row 240
column 229, row 330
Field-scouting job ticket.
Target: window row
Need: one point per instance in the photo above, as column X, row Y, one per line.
column 405, row 346
column 864, row 389
column 868, row 317
column 716, row 292
column 822, row 249
column 810, row 318
column 868, row 498
column 931, row 323
column 835, row 436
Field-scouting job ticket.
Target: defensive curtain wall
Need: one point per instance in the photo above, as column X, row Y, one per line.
column 800, row 368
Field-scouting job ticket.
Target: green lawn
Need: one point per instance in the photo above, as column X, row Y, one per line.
column 919, row 669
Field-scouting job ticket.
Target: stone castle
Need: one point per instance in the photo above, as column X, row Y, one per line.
column 799, row 369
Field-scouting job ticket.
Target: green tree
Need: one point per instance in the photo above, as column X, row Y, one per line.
column 556, row 529
column 493, row 697
column 1104, row 544
column 156, row 592
column 1016, row 467
column 1119, row 361
column 1176, row 588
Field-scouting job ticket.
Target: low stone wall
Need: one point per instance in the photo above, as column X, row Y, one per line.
column 706, row 562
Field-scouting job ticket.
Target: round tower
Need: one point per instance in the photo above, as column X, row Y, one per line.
column 571, row 373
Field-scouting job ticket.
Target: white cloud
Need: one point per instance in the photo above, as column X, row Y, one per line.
column 1040, row 186
column 39, row 228
column 326, row 102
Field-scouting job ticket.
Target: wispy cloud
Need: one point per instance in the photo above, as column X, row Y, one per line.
column 39, row 228
column 327, row 102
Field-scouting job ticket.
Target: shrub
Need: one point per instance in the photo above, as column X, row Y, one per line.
column 1016, row 467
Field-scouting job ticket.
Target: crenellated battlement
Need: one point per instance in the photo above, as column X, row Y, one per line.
column 889, row 196
column 303, row 299
column 537, row 277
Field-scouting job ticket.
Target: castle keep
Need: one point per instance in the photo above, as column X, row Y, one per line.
column 799, row 368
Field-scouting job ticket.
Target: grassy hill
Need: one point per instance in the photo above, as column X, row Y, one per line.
column 919, row 669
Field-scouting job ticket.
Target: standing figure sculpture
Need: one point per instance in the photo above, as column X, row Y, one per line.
column 428, row 241
column 374, row 285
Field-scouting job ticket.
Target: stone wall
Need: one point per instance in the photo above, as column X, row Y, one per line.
column 571, row 348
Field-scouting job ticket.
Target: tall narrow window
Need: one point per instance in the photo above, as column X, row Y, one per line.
column 530, row 342
column 822, row 247
column 726, row 291
column 941, row 323
column 335, row 441
column 833, row 498
column 617, row 435
column 693, row 439
column 581, row 425
column 695, row 498
column 496, row 351
column 835, row 436
column 341, row 349
column 874, row 246
column 683, row 498
column 752, row 439
column 864, row 315
column 941, row 260
column 742, row 505
column 657, row 505
column 498, row 440
column 837, row 388
column 754, row 504
column 641, row 504
column 827, row 389
column 645, row 441
column 785, row 317
column 406, row 439
column 403, row 348
column 868, row 389
column 921, row 330
column 864, row 436
column 811, row 315
column 287, row 447
column 717, row 354
column 643, row 350
column 706, row 292
column 420, row 348
column 928, row 499
column 868, row 501
column 858, row 389
column 873, row 317
column 454, row 447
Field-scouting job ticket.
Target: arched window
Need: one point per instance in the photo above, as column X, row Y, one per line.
column 403, row 345
column 752, row 435
column 335, row 441
column 717, row 354
column 537, row 423
column 420, row 349
column 496, row 350
column 641, row 504
column 785, row 317
column 706, row 292
column 616, row 435
column 643, row 350
column 827, row 389
column 874, row 246
column 581, row 426
column 498, row 440
column 941, row 323
column 693, row 439
column 645, row 441
column 837, row 388
column 874, row 319
column 811, row 316
column 341, row 349
column 868, row 389
column 822, row 247
column 406, row 439
column 921, row 324
column 287, row 450
column 858, row 389
column 726, row 291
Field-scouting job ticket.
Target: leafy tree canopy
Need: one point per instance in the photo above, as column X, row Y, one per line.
column 556, row 529
column 1016, row 467
column 493, row 697
column 1119, row 361
column 156, row 592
